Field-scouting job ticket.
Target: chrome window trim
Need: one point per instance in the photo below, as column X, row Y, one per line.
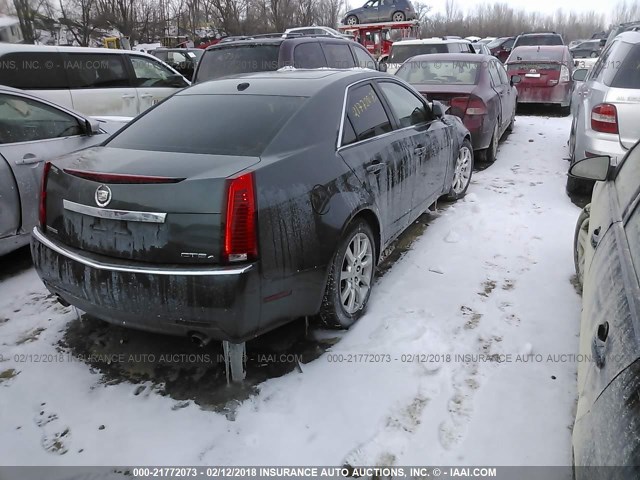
column 201, row 272
column 131, row 216
column 339, row 145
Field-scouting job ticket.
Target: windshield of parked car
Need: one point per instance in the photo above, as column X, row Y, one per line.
column 234, row 59
column 538, row 40
column 440, row 72
column 210, row 124
column 400, row 53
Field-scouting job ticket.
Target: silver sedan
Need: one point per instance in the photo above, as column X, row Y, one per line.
column 32, row 131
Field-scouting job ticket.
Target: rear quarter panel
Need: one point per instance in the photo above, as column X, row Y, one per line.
column 306, row 196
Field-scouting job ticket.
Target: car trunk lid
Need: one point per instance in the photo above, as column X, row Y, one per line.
column 536, row 74
column 147, row 206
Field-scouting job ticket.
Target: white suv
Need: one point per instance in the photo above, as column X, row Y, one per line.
column 93, row 81
column 405, row 49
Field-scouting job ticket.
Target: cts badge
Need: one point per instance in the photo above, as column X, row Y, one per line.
column 103, row 196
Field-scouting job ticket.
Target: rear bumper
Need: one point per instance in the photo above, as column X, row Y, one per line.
column 559, row 94
column 480, row 130
column 592, row 143
column 220, row 302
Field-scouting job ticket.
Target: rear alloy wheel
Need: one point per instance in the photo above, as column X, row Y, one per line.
column 489, row 155
column 350, row 278
column 398, row 17
column 580, row 239
column 352, row 20
column 462, row 172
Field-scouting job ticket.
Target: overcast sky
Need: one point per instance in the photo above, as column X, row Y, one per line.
column 544, row 6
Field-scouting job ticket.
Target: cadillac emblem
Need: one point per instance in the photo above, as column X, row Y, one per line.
column 103, row 196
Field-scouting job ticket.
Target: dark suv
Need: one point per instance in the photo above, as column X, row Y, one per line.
column 538, row 38
column 260, row 54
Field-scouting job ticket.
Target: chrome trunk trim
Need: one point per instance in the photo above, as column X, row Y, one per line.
column 130, row 216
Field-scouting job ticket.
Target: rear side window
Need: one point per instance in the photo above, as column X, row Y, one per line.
column 89, row 70
column 628, row 75
column 366, row 113
column 309, row 55
column 248, row 124
column 364, row 59
column 338, row 55
column 231, row 60
column 33, row 71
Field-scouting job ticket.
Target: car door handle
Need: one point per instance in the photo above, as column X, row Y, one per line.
column 146, row 95
column 126, row 95
column 598, row 344
column 375, row 167
column 420, row 150
column 28, row 159
column 595, row 237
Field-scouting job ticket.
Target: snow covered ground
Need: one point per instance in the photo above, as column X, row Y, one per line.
column 490, row 275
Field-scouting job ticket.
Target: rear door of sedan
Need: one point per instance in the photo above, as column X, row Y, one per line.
column 378, row 156
column 427, row 142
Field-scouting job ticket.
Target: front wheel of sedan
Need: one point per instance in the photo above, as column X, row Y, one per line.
column 350, row 278
column 580, row 238
column 462, row 172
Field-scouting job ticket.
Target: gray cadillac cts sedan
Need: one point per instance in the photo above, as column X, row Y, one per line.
column 241, row 204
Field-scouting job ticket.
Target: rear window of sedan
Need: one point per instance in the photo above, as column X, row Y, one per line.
column 539, row 40
column 439, row 73
column 400, row 53
column 231, row 60
column 237, row 125
column 534, row 55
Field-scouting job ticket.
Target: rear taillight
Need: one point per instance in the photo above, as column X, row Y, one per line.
column 564, row 74
column 459, row 106
column 240, row 233
column 42, row 207
column 476, row 106
column 604, row 118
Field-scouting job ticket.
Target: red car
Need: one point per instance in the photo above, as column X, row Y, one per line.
column 501, row 47
column 545, row 72
column 476, row 89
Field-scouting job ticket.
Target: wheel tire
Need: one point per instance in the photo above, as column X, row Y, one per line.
column 332, row 312
column 352, row 20
column 580, row 237
column 489, row 155
column 512, row 122
column 577, row 185
column 398, row 17
column 463, row 170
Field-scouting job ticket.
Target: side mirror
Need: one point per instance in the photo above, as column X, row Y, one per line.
column 91, row 126
column 507, row 49
column 592, row 168
column 603, row 42
column 580, row 74
column 438, row 109
column 382, row 66
column 515, row 79
column 177, row 80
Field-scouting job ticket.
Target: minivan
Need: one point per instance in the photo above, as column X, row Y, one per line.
column 93, row 81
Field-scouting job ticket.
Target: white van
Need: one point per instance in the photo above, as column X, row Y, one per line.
column 93, row 81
